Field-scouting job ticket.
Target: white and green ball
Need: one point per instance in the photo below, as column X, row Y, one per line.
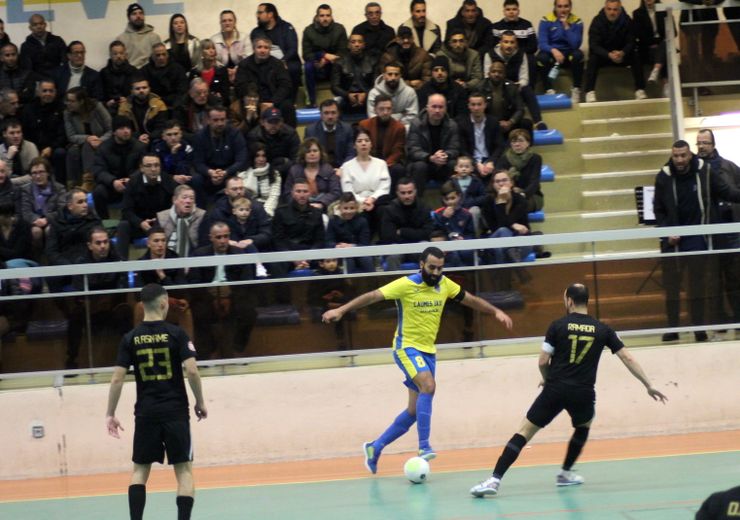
column 416, row 470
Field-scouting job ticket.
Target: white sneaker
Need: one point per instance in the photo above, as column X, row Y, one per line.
column 653, row 78
column 667, row 90
column 591, row 96
column 260, row 271
column 486, row 488
column 550, row 91
column 575, row 95
column 640, row 94
column 568, row 478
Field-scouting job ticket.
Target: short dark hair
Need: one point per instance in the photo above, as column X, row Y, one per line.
column 707, row 131
column 323, row 7
column 511, row 2
column 11, row 122
column 681, row 144
column 405, row 180
column 477, row 94
column 152, row 292
column 154, row 230
column 380, row 98
column 328, row 103
column 431, row 251
column 172, row 123
column 150, row 155
column 509, row 32
column 116, row 43
column 72, row 44
column 396, row 64
column 578, row 293
column 96, row 229
column 414, row 2
column 449, row 187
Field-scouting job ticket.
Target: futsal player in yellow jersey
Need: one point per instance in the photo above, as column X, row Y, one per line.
column 420, row 299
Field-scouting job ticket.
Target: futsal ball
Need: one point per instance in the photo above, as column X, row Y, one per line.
column 416, row 470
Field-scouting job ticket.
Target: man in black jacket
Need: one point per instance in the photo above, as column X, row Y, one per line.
column 166, row 77
column 375, row 31
column 687, row 192
column 269, row 77
column 116, row 160
column 284, row 40
column 107, row 309
column 477, row 28
column 441, row 83
column 15, row 77
column 75, row 73
column 352, row 76
column 42, row 52
column 116, row 76
column 43, row 124
column 69, row 229
column 432, row 144
column 234, row 305
column 406, row 221
column 147, row 193
column 503, row 100
column 488, row 145
column 611, row 42
column 280, row 139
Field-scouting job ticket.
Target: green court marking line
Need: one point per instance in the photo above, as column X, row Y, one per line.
column 383, row 477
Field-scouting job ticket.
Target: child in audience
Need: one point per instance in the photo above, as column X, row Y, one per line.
column 471, row 186
column 348, row 229
column 243, row 230
column 453, row 219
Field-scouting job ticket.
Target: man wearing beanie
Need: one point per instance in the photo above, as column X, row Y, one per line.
column 416, row 61
column 138, row 37
column 441, row 83
column 116, row 160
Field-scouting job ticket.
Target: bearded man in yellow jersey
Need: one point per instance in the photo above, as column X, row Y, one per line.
column 420, row 299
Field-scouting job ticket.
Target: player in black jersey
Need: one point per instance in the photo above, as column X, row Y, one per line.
column 158, row 350
column 568, row 362
column 723, row 505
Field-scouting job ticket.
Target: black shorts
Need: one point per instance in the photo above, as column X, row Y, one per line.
column 153, row 437
column 578, row 402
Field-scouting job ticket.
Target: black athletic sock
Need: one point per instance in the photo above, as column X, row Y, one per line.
column 136, row 501
column 577, row 441
column 184, row 507
column 509, row 455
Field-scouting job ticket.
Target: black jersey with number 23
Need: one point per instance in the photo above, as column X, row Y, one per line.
column 575, row 343
column 157, row 349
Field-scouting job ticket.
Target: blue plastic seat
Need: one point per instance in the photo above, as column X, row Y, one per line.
column 531, row 257
column 554, row 101
column 307, row 115
column 298, row 273
column 547, row 174
column 537, row 216
column 542, row 137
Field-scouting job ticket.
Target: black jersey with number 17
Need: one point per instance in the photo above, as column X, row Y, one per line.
column 575, row 343
column 157, row 349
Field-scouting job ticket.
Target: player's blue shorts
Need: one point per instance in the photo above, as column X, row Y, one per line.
column 412, row 361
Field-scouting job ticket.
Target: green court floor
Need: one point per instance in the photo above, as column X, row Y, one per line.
column 637, row 489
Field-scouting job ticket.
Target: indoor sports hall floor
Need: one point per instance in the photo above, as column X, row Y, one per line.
column 637, row 478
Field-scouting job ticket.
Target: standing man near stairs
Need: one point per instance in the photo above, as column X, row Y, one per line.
column 687, row 192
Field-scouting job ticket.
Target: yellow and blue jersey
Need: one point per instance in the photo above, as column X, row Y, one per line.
column 420, row 309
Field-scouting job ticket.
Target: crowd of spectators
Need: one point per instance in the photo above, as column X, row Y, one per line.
column 195, row 140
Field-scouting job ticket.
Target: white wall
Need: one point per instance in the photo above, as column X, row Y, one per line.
column 329, row 413
column 98, row 22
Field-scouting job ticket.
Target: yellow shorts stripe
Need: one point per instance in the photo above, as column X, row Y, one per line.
column 408, row 366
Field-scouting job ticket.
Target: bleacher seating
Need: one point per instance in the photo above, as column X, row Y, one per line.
column 554, row 101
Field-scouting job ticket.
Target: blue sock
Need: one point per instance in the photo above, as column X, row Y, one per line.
column 424, row 419
column 398, row 427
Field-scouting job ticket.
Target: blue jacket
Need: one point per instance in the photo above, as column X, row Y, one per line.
column 460, row 223
column 355, row 231
column 229, row 152
column 475, row 194
column 343, row 141
column 551, row 33
column 177, row 164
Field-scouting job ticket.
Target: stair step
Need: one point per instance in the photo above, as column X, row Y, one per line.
column 629, row 160
column 625, row 143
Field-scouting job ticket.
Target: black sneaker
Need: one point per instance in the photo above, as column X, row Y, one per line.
column 670, row 336
column 700, row 336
